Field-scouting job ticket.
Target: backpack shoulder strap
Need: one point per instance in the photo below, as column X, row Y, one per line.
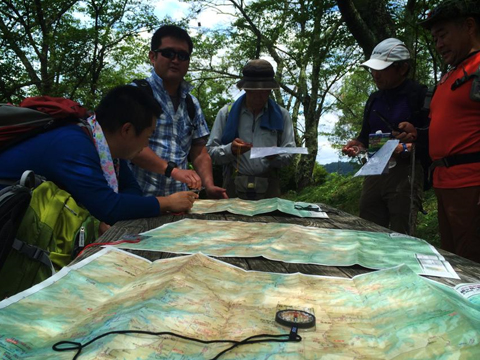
column 85, row 126
column 33, row 252
column 229, row 108
column 475, row 90
column 428, row 99
column 417, row 99
column 190, row 107
column 368, row 104
column 14, row 201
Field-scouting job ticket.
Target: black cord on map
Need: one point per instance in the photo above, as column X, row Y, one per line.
column 73, row 345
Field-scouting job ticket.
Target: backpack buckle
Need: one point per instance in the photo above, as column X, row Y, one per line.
column 32, row 251
column 38, row 254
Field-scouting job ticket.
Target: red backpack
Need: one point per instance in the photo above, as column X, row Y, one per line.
column 36, row 115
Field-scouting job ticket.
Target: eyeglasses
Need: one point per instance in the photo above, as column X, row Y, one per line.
column 393, row 65
column 170, row 54
column 389, row 67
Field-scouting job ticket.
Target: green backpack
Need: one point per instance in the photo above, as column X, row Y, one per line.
column 52, row 232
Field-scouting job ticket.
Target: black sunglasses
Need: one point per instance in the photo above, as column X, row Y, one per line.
column 170, row 54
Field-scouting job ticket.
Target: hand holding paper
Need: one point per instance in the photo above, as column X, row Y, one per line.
column 239, row 146
column 378, row 162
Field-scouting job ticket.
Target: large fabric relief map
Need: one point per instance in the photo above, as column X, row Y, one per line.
column 252, row 208
column 388, row 314
column 297, row 244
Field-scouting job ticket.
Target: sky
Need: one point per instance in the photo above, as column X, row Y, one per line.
column 177, row 10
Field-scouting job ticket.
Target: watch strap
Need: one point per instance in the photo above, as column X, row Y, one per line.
column 169, row 169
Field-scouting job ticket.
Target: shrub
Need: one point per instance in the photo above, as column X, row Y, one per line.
column 343, row 192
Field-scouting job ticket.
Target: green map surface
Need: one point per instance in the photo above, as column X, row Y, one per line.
column 296, row 244
column 252, row 208
column 388, row 314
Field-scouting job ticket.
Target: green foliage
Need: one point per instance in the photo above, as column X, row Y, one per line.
column 319, row 175
column 343, row 192
column 81, row 49
column 77, row 49
column 342, row 167
column 287, row 177
column 309, row 45
column 426, row 63
column 213, row 77
column 427, row 225
column 351, row 99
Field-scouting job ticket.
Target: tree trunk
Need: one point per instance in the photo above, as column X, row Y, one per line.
column 368, row 20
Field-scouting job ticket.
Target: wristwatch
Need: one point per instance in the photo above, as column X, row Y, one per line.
column 170, row 166
column 404, row 154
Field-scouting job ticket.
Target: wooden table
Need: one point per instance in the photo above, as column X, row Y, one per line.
column 468, row 271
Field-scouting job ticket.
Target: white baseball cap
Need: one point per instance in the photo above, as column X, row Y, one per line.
column 386, row 53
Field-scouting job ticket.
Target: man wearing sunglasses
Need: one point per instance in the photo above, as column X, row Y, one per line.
column 181, row 132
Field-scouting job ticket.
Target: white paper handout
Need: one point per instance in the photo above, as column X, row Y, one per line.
column 377, row 163
column 436, row 265
column 259, row 152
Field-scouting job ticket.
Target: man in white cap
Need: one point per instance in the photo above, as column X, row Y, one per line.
column 390, row 199
column 253, row 120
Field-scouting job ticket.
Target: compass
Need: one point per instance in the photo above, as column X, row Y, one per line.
column 295, row 318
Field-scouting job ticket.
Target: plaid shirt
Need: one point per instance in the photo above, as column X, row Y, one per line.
column 172, row 139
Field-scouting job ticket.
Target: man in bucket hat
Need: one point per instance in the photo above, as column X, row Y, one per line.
column 252, row 120
column 390, row 199
column 454, row 135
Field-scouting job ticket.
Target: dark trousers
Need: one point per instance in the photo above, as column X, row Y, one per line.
column 459, row 221
column 385, row 199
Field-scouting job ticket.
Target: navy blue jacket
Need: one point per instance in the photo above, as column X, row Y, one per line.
column 404, row 103
column 67, row 156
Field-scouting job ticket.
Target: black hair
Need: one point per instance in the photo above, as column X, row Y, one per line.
column 459, row 21
column 127, row 104
column 172, row 31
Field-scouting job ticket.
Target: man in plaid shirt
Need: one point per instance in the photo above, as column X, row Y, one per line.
column 161, row 169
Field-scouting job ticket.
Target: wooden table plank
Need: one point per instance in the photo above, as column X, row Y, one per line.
column 313, row 269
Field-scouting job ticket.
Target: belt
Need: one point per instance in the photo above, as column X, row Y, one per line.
column 272, row 173
column 453, row 160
